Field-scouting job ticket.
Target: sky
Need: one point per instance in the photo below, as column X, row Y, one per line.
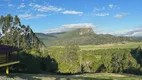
column 116, row 17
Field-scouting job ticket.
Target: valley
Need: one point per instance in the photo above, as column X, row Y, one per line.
column 70, row 40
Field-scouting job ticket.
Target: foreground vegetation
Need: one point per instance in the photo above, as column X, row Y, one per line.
column 88, row 76
column 71, row 60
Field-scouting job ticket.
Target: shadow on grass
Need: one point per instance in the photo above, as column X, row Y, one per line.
column 137, row 55
column 51, row 77
column 82, row 78
column 34, row 64
column 21, row 77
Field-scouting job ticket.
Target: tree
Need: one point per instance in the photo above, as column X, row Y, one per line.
column 1, row 22
column 71, row 58
column 70, row 53
column 137, row 54
column 17, row 20
column 9, row 20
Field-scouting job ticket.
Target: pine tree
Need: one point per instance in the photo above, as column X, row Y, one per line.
column 9, row 20
column 17, row 20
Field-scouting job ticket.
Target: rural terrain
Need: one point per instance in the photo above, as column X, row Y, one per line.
column 70, row 39
column 80, row 54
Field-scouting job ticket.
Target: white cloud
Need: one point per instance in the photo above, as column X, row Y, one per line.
column 102, row 14
column 30, row 16
column 137, row 34
column 79, row 25
column 22, row 5
column 31, row 4
column 40, row 15
column 42, row 8
column 111, row 5
column 10, row 5
column 99, row 9
column 72, row 12
column 70, row 27
column 119, row 16
column 26, row 16
column 130, row 32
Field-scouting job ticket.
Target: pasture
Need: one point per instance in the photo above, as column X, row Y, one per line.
column 104, row 46
column 108, row 46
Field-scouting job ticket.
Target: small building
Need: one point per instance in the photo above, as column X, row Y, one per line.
column 6, row 58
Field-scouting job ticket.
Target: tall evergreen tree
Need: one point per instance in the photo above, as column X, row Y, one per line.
column 17, row 20
column 9, row 21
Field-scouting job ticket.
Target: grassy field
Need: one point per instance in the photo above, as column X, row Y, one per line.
column 91, row 76
column 108, row 46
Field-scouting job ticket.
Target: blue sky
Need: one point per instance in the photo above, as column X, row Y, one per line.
column 120, row 17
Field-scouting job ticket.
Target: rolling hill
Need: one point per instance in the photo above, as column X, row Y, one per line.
column 138, row 38
column 82, row 36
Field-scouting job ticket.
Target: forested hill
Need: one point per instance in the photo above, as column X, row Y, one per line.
column 82, row 36
column 13, row 33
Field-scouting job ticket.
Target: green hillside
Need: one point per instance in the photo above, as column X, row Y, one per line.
column 82, row 36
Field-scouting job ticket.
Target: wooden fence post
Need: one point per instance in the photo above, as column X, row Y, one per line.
column 7, row 70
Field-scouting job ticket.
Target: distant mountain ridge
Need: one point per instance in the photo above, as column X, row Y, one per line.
column 81, row 36
column 138, row 38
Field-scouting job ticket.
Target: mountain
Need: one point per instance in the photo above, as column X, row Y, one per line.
column 82, row 36
column 13, row 33
column 139, row 38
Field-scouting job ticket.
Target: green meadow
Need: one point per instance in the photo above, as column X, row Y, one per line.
column 106, row 46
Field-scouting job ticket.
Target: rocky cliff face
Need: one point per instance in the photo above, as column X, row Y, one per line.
column 83, row 31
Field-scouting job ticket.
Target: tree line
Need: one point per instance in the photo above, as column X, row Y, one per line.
column 13, row 33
